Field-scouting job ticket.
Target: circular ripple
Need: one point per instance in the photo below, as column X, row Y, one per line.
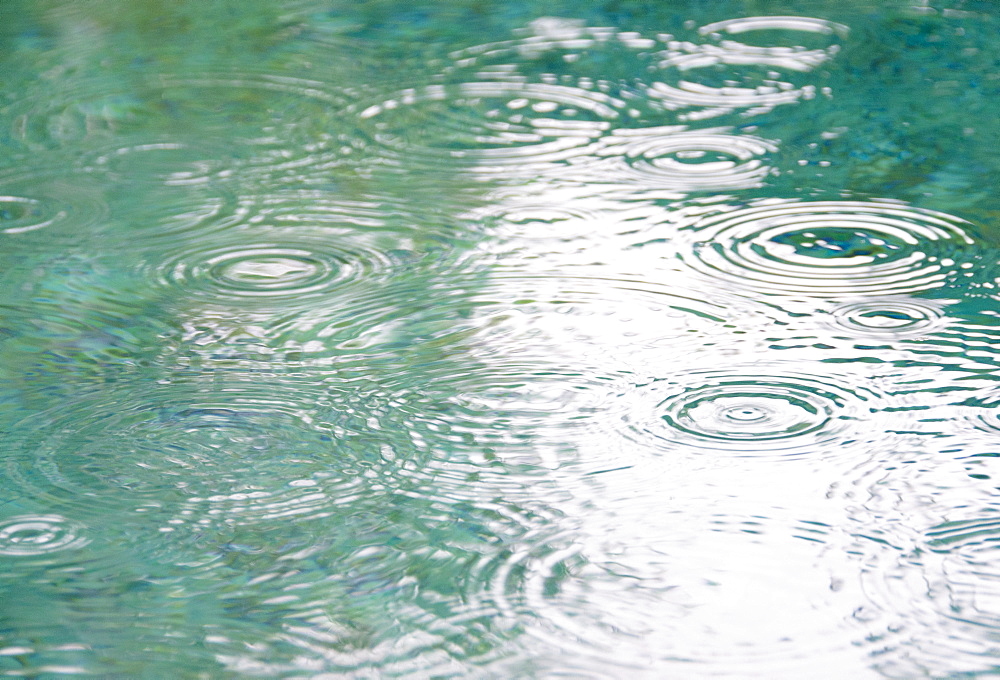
column 267, row 271
column 292, row 247
column 292, row 269
column 888, row 317
column 748, row 411
column 830, row 249
column 50, row 205
column 756, row 413
column 39, row 534
column 19, row 214
column 687, row 160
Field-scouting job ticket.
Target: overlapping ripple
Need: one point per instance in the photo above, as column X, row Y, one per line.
column 498, row 123
column 831, row 249
column 568, row 94
column 253, row 104
column 934, row 599
column 769, row 411
column 164, row 448
column 690, row 589
column 725, row 76
column 386, row 583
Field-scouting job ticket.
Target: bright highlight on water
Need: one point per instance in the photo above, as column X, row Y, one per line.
column 451, row 340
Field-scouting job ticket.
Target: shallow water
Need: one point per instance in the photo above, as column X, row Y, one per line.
column 583, row 340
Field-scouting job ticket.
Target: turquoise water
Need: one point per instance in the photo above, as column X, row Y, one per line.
column 479, row 340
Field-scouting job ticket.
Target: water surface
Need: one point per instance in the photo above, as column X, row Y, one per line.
column 583, row 340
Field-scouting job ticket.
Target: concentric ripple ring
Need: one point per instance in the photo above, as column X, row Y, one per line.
column 300, row 269
column 752, row 412
column 38, row 534
column 831, row 249
column 891, row 317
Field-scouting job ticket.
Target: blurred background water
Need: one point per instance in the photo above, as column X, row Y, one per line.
column 592, row 339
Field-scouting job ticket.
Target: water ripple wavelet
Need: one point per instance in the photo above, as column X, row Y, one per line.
column 28, row 535
column 171, row 162
column 291, row 257
column 683, row 160
column 607, row 326
column 693, row 590
column 55, row 206
column 831, row 249
column 890, row 318
column 769, row 411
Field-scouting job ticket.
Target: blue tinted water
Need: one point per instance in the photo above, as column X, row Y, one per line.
column 452, row 339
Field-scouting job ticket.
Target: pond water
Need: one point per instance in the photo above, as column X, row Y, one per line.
column 499, row 340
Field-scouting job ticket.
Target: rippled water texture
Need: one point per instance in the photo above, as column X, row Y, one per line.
column 480, row 340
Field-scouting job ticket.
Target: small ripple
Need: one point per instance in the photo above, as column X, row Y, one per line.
column 831, row 249
column 759, row 412
column 20, row 214
column 286, row 249
column 775, row 23
column 56, row 206
column 695, row 160
column 26, row 535
column 888, row 317
column 271, row 270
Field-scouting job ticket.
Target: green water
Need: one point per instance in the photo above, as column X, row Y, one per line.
column 480, row 340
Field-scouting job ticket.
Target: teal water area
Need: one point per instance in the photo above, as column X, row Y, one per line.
column 499, row 340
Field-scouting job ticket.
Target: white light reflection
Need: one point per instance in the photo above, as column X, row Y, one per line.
column 728, row 554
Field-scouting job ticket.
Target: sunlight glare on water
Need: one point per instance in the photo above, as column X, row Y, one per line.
column 544, row 340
